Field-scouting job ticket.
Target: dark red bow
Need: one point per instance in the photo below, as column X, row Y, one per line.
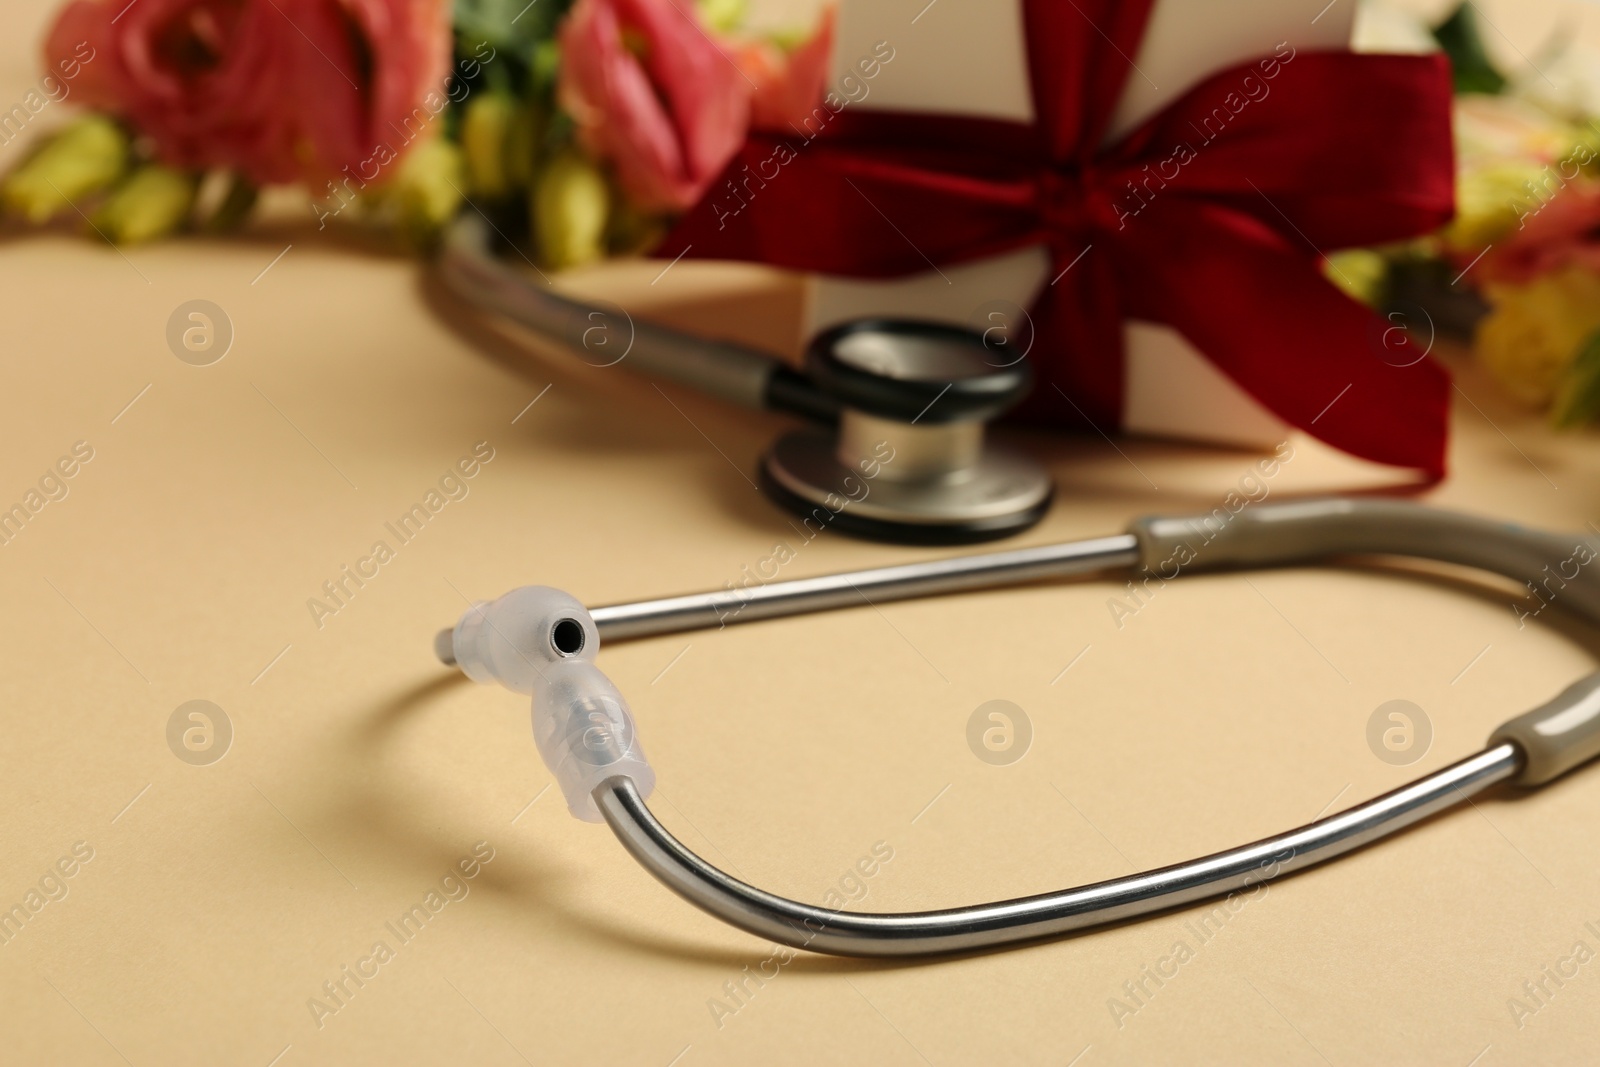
column 1211, row 217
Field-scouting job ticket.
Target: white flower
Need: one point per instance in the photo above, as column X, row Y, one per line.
column 1567, row 84
column 1386, row 27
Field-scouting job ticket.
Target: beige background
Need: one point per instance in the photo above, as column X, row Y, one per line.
column 221, row 898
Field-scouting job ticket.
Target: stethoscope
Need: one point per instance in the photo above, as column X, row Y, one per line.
column 896, row 451
column 541, row 641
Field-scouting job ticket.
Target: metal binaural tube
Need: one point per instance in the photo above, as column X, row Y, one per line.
column 701, row 610
column 1003, row 922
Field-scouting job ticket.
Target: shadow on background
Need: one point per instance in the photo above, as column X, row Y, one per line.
column 370, row 800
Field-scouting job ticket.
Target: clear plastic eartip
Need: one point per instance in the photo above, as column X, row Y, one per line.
column 541, row 641
column 585, row 733
column 512, row 640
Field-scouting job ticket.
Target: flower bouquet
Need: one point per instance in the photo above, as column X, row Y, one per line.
column 578, row 128
column 1518, row 269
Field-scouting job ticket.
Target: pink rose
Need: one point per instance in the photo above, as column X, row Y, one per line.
column 789, row 86
column 1560, row 232
column 653, row 95
column 279, row 90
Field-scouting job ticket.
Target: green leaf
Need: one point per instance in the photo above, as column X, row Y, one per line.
column 1470, row 68
column 236, row 205
column 1578, row 399
column 485, row 129
column 516, row 25
column 571, row 202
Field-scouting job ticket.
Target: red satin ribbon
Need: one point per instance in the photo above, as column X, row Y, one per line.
column 1335, row 150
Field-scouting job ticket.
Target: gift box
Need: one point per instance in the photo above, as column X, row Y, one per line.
column 1140, row 193
column 968, row 57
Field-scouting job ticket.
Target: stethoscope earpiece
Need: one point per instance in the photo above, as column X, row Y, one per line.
column 542, row 642
column 908, row 461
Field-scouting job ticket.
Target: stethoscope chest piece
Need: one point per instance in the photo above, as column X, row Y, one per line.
column 908, row 461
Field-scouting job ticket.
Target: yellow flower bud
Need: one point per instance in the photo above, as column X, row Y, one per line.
column 1578, row 398
column 1533, row 332
column 722, row 16
column 154, row 201
column 425, row 192
column 485, row 131
column 1359, row 272
column 84, row 158
column 570, row 203
column 1491, row 202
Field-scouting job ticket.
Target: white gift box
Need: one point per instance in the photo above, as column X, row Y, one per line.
column 967, row 57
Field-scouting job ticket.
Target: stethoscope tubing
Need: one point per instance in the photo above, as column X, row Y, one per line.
column 609, row 336
column 1529, row 750
column 776, row 599
column 1005, row 922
